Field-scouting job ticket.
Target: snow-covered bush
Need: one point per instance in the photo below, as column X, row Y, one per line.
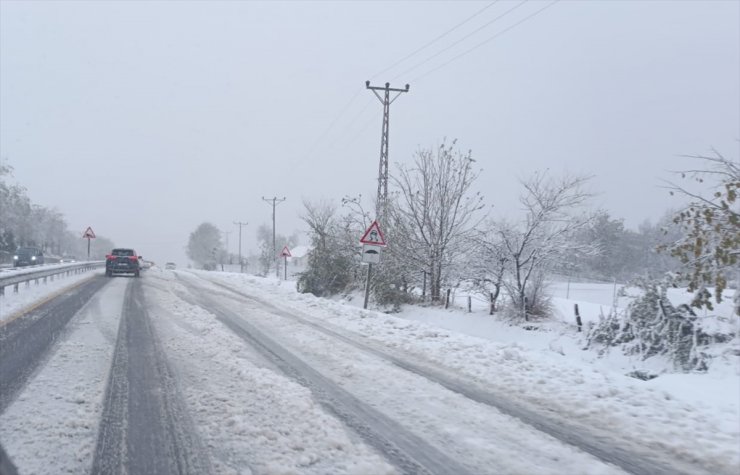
column 652, row 326
column 332, row 262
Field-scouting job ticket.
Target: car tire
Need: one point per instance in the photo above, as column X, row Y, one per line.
column 108, row 273
column 136, row 274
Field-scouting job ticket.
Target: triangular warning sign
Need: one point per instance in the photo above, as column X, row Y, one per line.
column 89, row 233
column 373, row 236
column 285, row 252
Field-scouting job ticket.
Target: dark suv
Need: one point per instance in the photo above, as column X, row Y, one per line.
column 122, row 261
column 28, row 256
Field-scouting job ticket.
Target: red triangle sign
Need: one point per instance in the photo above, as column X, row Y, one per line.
column 89, row 233
column 285, row 252
column 373, row 236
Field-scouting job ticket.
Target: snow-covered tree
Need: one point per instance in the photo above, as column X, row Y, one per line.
column 268, row 257
column 488, row 268
column 15, row 212
column 710, row 246
column 544, row 238
column 434, row 212
column 204, row 245
column 333, row 259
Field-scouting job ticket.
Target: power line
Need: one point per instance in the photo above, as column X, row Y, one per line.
column 333, row 122
column 312, row 149
column 464, row 53
column 485, row 25
column 428, row 44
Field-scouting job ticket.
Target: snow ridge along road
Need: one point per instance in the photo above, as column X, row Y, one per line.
column 409, row 453
column 627, row 455
column 26, row 341
column 145, row 427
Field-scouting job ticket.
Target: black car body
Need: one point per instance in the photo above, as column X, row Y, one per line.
column 122, row 261
column 28, row 256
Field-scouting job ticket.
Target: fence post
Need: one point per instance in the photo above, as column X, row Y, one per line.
column 493, row 305
column 578, row 317
column 447, row 300
column 470, row 304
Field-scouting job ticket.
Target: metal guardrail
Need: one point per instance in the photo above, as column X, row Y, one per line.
column 15, row 279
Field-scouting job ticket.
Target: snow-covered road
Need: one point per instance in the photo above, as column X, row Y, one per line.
column 182, row 372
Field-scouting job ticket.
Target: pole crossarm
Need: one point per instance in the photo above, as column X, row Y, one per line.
column 387, row 87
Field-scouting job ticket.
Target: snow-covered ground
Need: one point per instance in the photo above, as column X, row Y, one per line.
column 255, row 420
column 691, row 416
column 34, row 293
column 52, row 426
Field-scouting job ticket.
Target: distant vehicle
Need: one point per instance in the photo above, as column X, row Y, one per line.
column 146, row 264
column 170, row 266
column 28, row 256
column 68, row 259
column 122, row 261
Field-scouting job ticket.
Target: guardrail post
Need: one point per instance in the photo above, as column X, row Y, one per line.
column 15, row 288
column 2, row 291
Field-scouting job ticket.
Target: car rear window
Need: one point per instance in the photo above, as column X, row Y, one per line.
column 123, row 252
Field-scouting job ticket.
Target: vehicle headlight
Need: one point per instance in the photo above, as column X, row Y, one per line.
column 33, row 258
column 15, row 258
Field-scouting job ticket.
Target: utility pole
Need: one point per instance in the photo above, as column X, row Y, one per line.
column 381, row 205
column 241, row 261
column 275, row 201
column 226, row 233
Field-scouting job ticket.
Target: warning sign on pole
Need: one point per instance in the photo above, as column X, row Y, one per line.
column 89, row 233
column 373, row 236
column 285, row 252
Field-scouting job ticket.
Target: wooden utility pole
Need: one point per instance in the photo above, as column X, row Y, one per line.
column 241, row 262
column 275, row 201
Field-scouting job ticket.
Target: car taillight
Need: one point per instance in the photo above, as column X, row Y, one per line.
column 110, row 257
column 133, row 258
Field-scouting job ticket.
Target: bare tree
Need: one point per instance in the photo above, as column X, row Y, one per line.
column 489, row 266
column 545, row 236
column 434, row 211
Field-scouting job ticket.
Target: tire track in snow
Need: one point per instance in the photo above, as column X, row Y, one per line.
column 145, row 427
column 26, row 341
column 408, row 452
column 628, row 456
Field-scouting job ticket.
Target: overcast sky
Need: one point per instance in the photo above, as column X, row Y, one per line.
column 145, row 119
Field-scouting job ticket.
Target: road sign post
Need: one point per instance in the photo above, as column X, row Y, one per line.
column 88, row 234
column 373, row 241
column 285, row 253
column 367, row 284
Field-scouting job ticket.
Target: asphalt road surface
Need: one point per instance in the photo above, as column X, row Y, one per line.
column 144, row 423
